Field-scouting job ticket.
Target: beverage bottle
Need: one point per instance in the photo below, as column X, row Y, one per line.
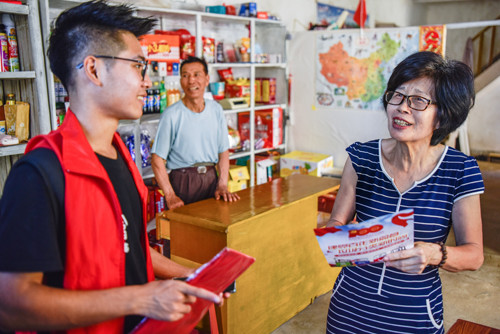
column 4, row 51
column 156, row 97
column 177, row 90
column 11, row 99
column 60, row 112
column 145, row 105
column 151, row 101
column 171, row 95
column 10, row 30
column 163, row 96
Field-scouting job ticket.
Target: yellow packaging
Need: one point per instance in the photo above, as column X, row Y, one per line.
column 17, row 119
column 10, row 119
column 298, row 162
column 23, row 121
column 234, row 186
column 238, row 173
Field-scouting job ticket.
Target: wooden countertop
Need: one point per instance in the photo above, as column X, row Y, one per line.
column 220, row 215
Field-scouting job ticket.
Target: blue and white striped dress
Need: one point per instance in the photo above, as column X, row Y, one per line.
column 379, row 299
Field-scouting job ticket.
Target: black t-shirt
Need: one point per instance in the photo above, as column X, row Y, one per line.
column 32, row 230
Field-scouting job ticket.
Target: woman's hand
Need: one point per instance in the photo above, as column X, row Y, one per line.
column 415, row 260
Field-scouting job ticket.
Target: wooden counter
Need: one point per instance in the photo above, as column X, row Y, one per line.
column 274, row 223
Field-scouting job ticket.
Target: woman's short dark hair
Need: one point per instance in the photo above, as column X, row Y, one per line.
column 453, row 87
column 93, row 27
column 191, row 59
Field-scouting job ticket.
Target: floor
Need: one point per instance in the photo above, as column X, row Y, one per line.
column 472, row 296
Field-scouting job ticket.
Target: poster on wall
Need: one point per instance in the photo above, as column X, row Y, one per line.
column 353, row 67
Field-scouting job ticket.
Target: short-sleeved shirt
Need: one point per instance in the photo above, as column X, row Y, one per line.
column 379, row 299
column 185, row 138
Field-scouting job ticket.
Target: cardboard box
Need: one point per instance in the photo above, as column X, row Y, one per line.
column 238, row 178
column 161, row 47
column 264, row 170
column 238, row 173
column 234, row 186
column 268, row 128
column 298, row 162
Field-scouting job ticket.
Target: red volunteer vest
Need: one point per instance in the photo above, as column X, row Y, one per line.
column 95, row 257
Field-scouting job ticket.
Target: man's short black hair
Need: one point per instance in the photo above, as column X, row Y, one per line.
column 93, row 27
column 453, row 87
column 191, row 59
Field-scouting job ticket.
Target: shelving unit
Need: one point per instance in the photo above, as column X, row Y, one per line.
column 29, row 84
column 270, row 35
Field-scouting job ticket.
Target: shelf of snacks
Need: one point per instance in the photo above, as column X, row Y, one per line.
column 23, row 88
column 241, row 43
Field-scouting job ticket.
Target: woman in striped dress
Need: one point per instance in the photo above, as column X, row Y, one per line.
column 427, row 98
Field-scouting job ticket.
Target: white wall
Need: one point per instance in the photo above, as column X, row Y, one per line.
column 482, row 122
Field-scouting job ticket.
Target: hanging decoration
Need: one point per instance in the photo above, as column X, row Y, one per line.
column 433, row 38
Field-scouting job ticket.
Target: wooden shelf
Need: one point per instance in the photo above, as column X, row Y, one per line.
column 12, row 150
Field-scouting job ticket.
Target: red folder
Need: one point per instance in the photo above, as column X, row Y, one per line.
column 215, row 275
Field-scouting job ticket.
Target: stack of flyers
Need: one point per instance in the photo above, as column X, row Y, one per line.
column 366, row 242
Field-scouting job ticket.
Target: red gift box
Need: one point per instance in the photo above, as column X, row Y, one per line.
column 268, row 128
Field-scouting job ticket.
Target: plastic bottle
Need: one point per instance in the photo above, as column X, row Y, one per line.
column 156, row 97
column 163, row 96
column 10, row 29
column 177, row 90
column 60, row 112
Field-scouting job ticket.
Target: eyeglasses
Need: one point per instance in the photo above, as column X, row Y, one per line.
column 415, row 102
column 143, row 63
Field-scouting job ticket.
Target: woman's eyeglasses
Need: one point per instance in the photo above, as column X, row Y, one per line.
column 415, row 102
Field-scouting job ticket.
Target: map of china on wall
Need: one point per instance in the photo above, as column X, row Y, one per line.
column 352, row 69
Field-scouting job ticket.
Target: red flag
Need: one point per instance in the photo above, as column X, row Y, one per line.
column 360, row 14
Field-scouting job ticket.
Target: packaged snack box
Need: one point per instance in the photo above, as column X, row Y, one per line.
column 298, row 162
column 161, row 47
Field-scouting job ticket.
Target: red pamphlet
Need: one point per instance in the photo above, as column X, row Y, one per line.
column 215, row 275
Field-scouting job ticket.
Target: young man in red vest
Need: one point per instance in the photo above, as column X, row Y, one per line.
column 80, row 262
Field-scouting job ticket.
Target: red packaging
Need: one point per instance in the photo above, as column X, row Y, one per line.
column 237, row 90
column 268, row 128
column 230, row 10
column 159, row 201
column 160, row 47
column 325, row 202
column 262, row 15
column 226, row 74
column 208, row 49
column 151, row 204
column 187, row 42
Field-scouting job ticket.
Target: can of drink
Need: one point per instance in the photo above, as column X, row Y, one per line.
column 4, row 53
column 151, row 101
